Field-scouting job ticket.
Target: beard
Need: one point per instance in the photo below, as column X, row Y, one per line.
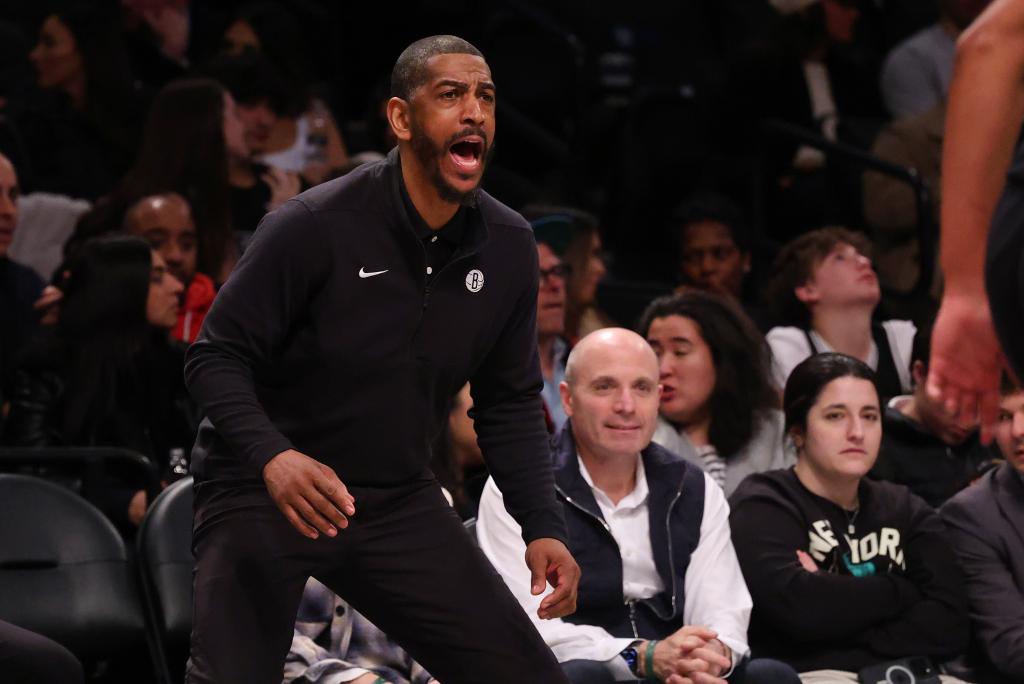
column 430, row 155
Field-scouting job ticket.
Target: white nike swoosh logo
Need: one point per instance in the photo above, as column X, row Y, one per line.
column 364, row 274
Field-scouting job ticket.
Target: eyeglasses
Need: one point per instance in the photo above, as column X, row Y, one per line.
column 562, row 271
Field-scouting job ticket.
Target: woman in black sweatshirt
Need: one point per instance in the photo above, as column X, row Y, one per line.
column 845, row 572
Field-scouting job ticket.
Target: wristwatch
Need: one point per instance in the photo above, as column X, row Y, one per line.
column 630, row 656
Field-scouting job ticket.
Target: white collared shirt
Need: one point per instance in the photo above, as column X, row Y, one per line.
column 629, row 523
column 716, row 594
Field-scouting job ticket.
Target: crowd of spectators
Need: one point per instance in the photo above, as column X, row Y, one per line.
column 828, row 515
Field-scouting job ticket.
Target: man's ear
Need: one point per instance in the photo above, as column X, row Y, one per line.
column 563, row 391
column 398, row 112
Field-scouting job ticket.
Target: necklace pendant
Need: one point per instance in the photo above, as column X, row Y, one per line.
column 850, row 530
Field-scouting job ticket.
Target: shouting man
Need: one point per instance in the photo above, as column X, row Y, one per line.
column 326, row 366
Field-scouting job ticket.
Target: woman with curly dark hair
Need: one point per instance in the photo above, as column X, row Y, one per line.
column 718, row 406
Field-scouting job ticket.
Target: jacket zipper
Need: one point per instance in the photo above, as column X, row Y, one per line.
column 599, row 519
column 668, row 535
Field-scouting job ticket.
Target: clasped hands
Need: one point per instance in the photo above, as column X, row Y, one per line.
column 691, row 655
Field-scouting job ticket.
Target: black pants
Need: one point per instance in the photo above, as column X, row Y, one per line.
column 29, row 658
column 405, row 562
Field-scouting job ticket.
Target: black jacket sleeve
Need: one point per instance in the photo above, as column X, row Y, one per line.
column 508, row 417
column 937, row 624
column 802, row 605
column 34, row 396
column 268, row 291
column 996, row 599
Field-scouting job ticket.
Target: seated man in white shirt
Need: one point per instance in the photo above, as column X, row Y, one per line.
column 825, row 292
column 664, row 601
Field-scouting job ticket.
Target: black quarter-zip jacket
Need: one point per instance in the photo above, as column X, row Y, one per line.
column 327, row 339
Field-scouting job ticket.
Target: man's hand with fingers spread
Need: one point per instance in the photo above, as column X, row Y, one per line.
column 550, row 562
column 308, row 493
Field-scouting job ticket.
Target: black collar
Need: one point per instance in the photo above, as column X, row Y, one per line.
column 451, row 232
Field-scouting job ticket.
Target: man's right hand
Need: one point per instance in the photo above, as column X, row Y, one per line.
column 308, row 493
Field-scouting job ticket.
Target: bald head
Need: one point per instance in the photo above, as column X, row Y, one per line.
column 608, row 341
column 165, row 222
column 611, row 395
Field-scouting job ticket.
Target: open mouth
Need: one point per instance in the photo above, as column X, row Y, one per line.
column 467, row 153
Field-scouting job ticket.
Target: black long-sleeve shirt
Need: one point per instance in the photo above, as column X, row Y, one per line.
column 911, row 455
column 888, row 585
column 328, row 339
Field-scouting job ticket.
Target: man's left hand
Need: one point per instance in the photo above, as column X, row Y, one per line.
column 709, row 660
column 964, row 376
column 549, row 560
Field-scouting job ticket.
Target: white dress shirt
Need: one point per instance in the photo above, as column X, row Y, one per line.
column 716, row 594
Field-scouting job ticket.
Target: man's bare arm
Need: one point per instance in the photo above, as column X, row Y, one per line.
column 986, row 107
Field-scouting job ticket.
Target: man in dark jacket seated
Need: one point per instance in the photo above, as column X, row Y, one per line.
column 923, row 447
column 661, row 595
column 986, row 526
column 20, row 287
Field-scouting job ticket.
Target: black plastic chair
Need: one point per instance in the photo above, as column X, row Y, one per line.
column 165, row 559
column 64, row 571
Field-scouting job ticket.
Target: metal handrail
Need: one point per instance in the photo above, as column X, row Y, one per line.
column 91, row 460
